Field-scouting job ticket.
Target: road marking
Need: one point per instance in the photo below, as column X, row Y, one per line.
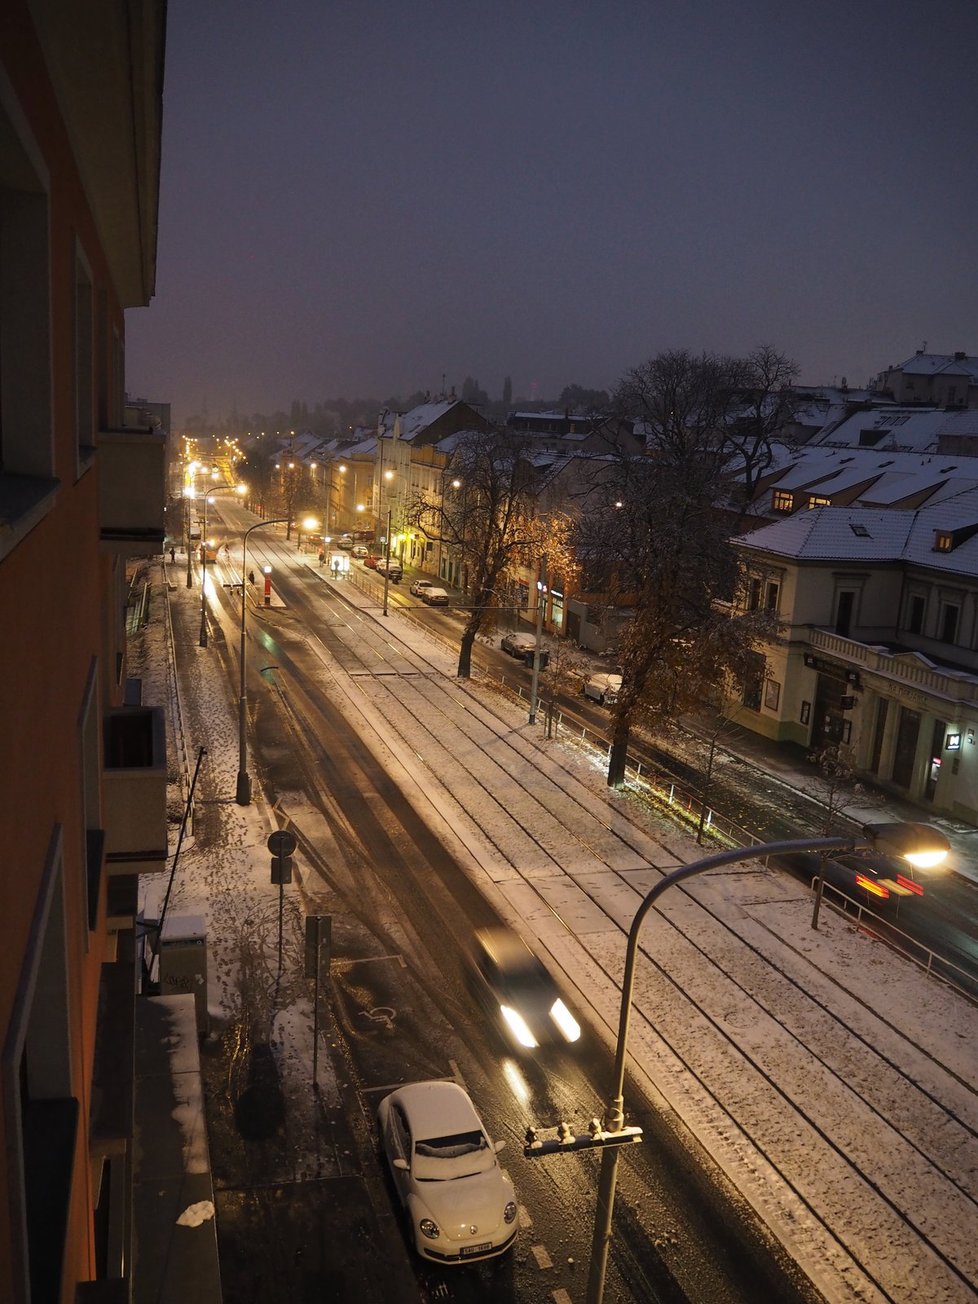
column 525, row 1220
column 560, row 1296
column 457, row 1074
column 542, row 1257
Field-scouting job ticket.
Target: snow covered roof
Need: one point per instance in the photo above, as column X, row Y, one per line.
column 854, row 534
column 933, row 364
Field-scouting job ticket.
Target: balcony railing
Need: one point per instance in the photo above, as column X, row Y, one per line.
column 955, row 686
column 134, row 806
column 132, row 490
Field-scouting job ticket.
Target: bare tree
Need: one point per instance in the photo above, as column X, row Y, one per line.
column 653, row 523
column 762, row 413
column 486, row 515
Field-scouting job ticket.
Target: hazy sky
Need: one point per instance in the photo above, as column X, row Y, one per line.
column 360, row 197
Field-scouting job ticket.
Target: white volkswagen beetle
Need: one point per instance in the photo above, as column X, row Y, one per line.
column 460, row 1202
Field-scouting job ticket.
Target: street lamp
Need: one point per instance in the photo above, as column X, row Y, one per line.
column 203, row 575
column 243, row 792
column 535, row 682
column 923, row 846
column 308, row 523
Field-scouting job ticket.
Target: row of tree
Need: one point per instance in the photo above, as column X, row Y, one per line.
column 645, row 522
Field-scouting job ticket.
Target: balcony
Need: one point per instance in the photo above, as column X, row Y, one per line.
column 134, row 795
column 132, row 490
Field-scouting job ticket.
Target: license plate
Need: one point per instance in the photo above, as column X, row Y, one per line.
column 475, row 1249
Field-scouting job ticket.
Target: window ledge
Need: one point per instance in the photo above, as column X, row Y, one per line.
column 24, row 501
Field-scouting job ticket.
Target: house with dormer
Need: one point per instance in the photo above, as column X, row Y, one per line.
column 879, row 651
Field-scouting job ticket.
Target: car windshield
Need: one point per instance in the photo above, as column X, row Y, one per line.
column 442, row 1158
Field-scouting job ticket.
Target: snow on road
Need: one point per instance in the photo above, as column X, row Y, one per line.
column 830, row 1080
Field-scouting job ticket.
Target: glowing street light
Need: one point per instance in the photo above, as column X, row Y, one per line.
column 919, row 844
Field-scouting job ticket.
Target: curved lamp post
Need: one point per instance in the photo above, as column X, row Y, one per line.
column 242, row 793
column 923, row 846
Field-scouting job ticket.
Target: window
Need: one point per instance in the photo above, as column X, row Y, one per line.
column 950, row 614
column 753, row 594
column 860, row 531
column 943, row 541
column 782, row 500
column 773, row 593
column 845, row 604
column 26, row 443
column 816, row 500
column 916, row 607
column 754, row 681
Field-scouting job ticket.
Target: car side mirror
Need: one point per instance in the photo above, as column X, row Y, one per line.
column 498, row 1145
column 402, row 1164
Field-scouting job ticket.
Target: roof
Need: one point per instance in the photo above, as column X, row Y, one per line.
column 862, row 534
column 436, row 1108
column 932, row 364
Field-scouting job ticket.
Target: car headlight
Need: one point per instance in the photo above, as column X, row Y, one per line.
column 518, row 1026
column 565, row 1021
column 429, row 1229
column 509, row 1213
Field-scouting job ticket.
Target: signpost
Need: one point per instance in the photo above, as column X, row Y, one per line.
column 318, row 938
column 281, row 843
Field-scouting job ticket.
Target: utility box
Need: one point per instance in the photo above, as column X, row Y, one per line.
column 183, row 963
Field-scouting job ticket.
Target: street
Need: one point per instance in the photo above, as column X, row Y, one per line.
column 401, row 907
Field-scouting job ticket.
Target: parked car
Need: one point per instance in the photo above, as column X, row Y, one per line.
column 434, row 597
column 418, row 586
column 523, row 646
column 345, row 541
column 360, row 550
column 392, row 569
column 371, row 561
column 519, row 993
column 460, row 1203
column 603, row 687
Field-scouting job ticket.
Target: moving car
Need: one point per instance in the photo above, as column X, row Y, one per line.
column 360, row 550
column 434, row 597
column 512, row 983
column 868, row 877
column 418, row 586
column 392, row 569
column 603, row 687
column 460, row 1203
column 345, row 541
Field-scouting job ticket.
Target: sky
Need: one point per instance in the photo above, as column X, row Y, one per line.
column 828, row 1077
column 372, row 198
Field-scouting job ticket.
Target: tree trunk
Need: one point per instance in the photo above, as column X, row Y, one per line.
column 617, row 758
column 465, row 648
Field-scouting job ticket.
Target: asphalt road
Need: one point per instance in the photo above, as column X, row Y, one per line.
column 399, row 1009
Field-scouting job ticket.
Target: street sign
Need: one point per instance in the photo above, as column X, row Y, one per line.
column 282, row 842
column 282, row 869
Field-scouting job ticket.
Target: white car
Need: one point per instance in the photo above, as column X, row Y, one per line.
column 360, row 550
column 419, row 586
column 603, row 688
column 460, row 1202
column 434, row 597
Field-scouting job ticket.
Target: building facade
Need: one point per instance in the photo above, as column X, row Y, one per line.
column 82, row 757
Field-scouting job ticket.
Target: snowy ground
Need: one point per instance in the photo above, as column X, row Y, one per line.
column 832, row 1083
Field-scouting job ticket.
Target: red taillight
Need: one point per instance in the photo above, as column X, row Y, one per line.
column 910, row 885
column 871, row 885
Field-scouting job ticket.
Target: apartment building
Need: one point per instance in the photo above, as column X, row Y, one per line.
column 81, row 755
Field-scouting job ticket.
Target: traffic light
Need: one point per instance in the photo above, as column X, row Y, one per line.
column 595, row 1139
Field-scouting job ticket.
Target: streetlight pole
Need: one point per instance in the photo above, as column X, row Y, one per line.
column 203, row 576
column 919, row 843
column 387, row 561
column 243, row 791
column 535, row 682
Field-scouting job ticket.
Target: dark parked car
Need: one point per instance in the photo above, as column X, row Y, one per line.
column 523, row 646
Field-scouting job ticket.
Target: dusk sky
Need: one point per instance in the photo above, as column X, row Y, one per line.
column 360, row 197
